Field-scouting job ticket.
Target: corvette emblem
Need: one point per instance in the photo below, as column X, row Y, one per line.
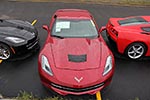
column 78, row 79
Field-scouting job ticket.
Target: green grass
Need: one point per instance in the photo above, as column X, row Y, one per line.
column 135, row 2
column 29, row 96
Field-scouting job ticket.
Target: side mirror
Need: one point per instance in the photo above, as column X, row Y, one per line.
column 48, row 30
column 102, row 29
column 46, row 27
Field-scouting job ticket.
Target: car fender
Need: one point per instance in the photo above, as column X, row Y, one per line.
column 126, row 38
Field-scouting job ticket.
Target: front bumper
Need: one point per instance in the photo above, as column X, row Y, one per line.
column 26, row 49
column 65, row 90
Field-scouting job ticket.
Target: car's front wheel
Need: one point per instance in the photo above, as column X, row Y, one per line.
column 135, row 50
column 5, row 52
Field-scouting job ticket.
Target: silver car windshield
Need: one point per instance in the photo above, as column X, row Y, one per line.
column 73, row 28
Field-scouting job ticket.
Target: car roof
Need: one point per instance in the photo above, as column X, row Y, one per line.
column 73, row 13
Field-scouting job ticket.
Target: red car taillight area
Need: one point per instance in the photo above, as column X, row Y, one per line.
column 114, row 32
column 110, row 25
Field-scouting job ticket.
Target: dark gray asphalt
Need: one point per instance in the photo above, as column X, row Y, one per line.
column 131, row 78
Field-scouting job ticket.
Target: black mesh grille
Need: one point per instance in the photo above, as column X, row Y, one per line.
column 77, row 58
column 76, row 89
column 32, row 40
column 31, row 43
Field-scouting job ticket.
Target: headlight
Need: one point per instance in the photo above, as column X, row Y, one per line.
column 15, row 39
column 45, row 65
column 108, row 65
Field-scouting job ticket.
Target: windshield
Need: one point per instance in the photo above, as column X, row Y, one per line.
column 74, row 28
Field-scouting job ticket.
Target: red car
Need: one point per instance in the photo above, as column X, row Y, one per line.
column 75, row 59
column 131, row 35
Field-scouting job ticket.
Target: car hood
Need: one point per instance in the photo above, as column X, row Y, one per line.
column 17, row 28
column 76, row 53
column 14, row 32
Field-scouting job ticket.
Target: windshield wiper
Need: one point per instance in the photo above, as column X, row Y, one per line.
column 57, row 36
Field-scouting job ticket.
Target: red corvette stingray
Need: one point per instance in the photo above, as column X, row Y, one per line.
column 131, row 35
column 75, row 59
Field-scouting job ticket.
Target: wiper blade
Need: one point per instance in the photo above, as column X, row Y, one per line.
column 57, row 36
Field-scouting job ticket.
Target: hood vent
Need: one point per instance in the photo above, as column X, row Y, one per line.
column 77, row 58
column 20, row 27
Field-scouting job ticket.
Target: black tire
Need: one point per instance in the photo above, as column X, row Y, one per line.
column 5, row 49
column 135, row 50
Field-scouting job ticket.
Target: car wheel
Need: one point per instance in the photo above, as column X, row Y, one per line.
column 135, row 50
column 5, row 52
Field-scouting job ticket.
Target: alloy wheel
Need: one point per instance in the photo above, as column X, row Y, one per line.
column 135, row 51
column 4, row 52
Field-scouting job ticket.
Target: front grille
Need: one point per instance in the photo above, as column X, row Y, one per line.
column 32, row 43
column 32, row 40
column 76, row 89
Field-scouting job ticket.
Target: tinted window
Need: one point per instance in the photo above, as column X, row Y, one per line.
column 130, row 21
column 74, row 28
column 146, row 29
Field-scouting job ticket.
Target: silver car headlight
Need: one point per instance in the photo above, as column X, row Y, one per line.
column 15, row 39
column 46, row 66
column 108, row 65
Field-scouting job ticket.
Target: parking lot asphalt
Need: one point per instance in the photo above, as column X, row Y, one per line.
column 131, row 78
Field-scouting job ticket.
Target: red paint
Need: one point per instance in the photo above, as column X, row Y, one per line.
column 87, row 73
column 128, row 34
